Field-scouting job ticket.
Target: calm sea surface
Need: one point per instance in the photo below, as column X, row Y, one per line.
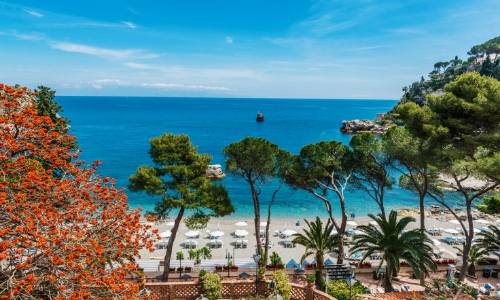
column 116, row 130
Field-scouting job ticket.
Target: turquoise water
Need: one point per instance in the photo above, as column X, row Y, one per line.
column 116, row 131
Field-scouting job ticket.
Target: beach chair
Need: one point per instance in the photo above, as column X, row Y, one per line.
column 213, row 243
column 219, row 243
column 454, row 240
column 244, row 243
column 277, row 233
column 239, row 243
column 209, row 235
column 149, row 265
column 448, row 240
column 262, row 233
column 288, row 243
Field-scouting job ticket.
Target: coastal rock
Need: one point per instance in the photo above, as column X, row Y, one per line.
column 362, row 126
column 215, row 171
column 471, row 183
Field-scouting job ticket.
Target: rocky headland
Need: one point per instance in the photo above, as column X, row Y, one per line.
column 215, row 172
column 354, row 126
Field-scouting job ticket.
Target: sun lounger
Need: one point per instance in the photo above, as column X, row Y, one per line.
column 149, row 265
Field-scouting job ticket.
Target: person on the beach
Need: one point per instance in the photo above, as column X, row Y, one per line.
column 298, row 223
column 353, row 216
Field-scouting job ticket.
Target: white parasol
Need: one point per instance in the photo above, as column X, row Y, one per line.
column 452, row 231
column 263, row 224
column 475, row 230
column 170, row 224
column 165, row 234
column 498, row 221
column 435, row 242
column 334, row 232
column 482, row 221
column 191, row 234
column 288, row 232
column 374, row 223
column 352, row 223
column 454, row 221
column 216, row 233
column 241, row 224
column 241, row 233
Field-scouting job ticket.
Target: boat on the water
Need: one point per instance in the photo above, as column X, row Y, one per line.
column 260, row 117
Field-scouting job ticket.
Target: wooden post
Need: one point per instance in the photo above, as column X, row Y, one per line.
column 172, row 292
column 309, row 293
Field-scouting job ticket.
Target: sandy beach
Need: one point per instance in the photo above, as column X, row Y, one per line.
column 227, row 225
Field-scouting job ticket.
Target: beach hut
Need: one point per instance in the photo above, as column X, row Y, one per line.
column 328, row 262
column 292, row 264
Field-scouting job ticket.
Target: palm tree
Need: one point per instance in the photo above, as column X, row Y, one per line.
column 476, row 255
column 395, row 243
column 490, row 240
column 317, row 240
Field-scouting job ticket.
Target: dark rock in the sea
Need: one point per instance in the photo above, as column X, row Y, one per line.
column 215, row 171
column 362, row 126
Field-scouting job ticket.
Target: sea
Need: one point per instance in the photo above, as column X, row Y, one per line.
column 117, row 130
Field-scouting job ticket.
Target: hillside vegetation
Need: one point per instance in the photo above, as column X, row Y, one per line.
column 483, row 58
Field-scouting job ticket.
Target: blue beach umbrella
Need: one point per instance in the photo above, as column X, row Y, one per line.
column 292, row 264
column 328, row 262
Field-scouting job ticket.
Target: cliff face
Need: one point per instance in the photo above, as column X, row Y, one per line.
column 354, row 126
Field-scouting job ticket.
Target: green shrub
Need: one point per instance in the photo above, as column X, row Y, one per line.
column 212, row 286
column 283, row 287
column 320, row 281
column 340, row 289
column 491, row 205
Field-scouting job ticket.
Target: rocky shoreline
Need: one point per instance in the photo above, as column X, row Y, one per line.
column 215, row 172
column 354, row 126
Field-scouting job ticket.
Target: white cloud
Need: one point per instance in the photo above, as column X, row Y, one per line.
column 103, row 52
column 33, row 13
column 407, row 31
column 100, row 83
column 229, row 39
column 35, row 36
column 130, row 24
column 184, row 87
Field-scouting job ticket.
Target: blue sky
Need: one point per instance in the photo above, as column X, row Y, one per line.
column 278, row 49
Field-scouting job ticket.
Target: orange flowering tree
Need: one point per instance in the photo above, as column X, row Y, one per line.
column 65, row 232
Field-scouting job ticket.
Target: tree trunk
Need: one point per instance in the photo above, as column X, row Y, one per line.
column 469, row 236
column 422, row 226
column 166, row 261
column 388, row 281
column 256, row 207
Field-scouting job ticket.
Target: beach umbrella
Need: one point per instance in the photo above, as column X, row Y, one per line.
column 292, row 264
column 299, row 271
column 352, row 223
column 218, row 226
column 263, row 224
column 482, row 221
column 191, row 233
column 288, row 232
column 435, row 242
column 244, row 275
column 475, row 230
column 170, row 224
column 374, row 223
column 498, row 221
column 241, row 233
column 452, row 231
column 216, row 233
column 334, row 232
column 241, row 224
column 165, row 234
column 454, row 221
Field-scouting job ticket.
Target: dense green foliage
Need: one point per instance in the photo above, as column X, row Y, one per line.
column 395, row 243
column 283, row 286
column 491, row 205
column 317, row 240
column 477, row 254
column 212, row 286
column 341, row 290
column 320, row 280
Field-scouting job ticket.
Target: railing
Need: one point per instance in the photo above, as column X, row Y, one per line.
column 233, row 289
